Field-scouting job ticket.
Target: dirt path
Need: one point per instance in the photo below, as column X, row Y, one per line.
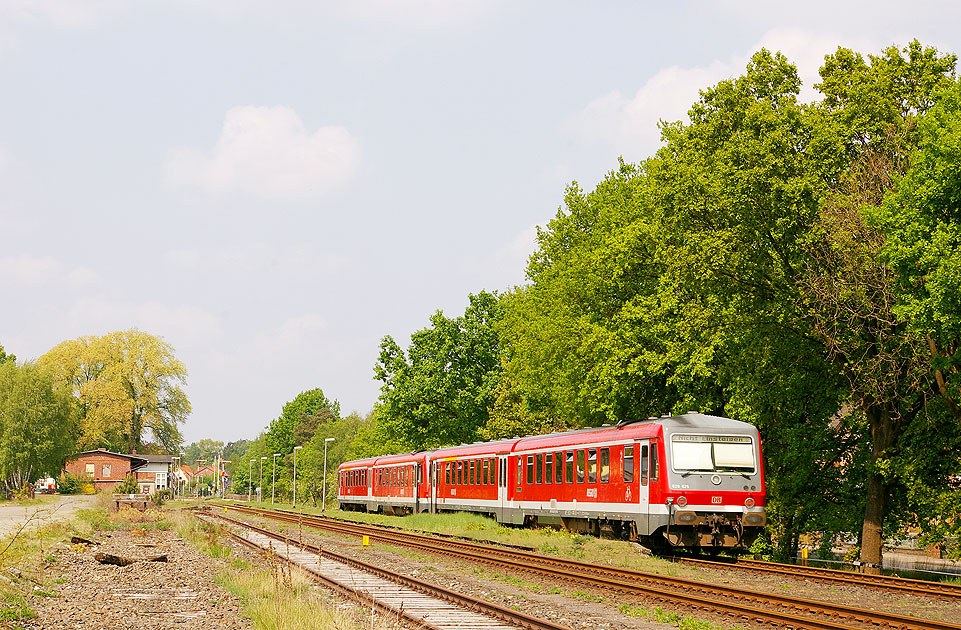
column 13, row 515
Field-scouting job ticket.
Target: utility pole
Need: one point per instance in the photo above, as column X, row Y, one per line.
column 323, row 508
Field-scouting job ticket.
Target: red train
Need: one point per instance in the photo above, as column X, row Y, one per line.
column 692, row 480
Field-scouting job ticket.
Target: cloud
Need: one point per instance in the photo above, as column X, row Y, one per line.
column 267, row 152
column 291, row 260
column 180, row 322
column 630, row 123
column 17, row 17
column 29, row 270
column 419, row 14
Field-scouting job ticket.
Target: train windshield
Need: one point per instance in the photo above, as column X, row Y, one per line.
column 712, row 453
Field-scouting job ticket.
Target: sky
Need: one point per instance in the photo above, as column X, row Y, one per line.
column 273, row 187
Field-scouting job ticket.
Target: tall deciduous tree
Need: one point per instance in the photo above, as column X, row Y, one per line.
column 37, row 425
column 439, row 392
column 128, row 389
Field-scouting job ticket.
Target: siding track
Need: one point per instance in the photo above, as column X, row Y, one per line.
column 423, row 604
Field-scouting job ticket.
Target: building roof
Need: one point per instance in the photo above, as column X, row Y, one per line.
column 137, row 460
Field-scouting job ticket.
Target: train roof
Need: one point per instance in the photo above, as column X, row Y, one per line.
column 625, row 430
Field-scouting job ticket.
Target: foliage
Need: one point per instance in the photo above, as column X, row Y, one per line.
column 69, row 483
column 439, row 392
column 127, row 486
column 299, row 420
column 4, row 357
column 127, row 386
column 37, row 425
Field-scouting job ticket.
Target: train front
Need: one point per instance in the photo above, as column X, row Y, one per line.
column 715, row 483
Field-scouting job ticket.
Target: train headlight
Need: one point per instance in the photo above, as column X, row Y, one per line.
column 682, row 502
column 749, row 502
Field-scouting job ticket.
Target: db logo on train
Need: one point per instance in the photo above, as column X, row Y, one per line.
column 716, row 500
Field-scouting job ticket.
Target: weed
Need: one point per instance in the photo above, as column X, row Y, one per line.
column 587, row 597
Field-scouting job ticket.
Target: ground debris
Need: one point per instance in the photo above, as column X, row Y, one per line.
column 121, row 561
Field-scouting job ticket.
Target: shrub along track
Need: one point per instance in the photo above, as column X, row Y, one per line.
column 742, row 604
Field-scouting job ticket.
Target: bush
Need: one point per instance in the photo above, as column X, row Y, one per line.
column 69, row 483
column 127, row 486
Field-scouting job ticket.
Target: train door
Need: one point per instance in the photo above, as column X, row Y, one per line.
column 418, row 473
column 433, row 487
column 501, row 486
column 642, row 449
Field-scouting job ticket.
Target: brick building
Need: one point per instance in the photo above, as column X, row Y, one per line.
column 107, row 469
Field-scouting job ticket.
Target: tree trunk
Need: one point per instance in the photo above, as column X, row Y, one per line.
column 872, row 539
column 872, row 536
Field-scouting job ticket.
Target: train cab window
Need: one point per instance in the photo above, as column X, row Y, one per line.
column 549, row 468
column 628, row 464
column 605, row 465
column 559, row 467
column 580, row 466
column 569, row 466
column 592, row 465
column 654, row 466
column 539, row 468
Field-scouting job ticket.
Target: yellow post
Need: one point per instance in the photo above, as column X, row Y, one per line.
column 804, row 556
column 366, row 541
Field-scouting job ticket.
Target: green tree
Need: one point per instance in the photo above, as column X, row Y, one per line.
column 4, row 357
column 299, row 419
column 37, row 425
column 128, row 389
column 439, row 392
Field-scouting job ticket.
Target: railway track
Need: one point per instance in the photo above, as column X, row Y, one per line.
column 423, row 604
column 742, row 604
column 940, row 590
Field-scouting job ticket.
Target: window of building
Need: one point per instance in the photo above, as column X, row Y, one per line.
column 90, row 469
column 106, row 471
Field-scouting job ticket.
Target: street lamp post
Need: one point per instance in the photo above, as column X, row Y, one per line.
column 260, row 488
column 323, row 508
column 199, row 462
column 296, row 448
column 273, row 478
column 250, row 481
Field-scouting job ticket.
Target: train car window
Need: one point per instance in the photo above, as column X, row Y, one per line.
column 628, row 464
column 520, row 472
column 592, row 465
column 539, row 469
column 654, row 465
column 460, row 473
column 548, row 468
column 644, row 465
column 493, row 472
column 559, row 467
column 473, row 472
column 446, row 473
column 605, row 465
column 486, row 473
column 530, row 470
column 580, row 466
column 569, row 460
